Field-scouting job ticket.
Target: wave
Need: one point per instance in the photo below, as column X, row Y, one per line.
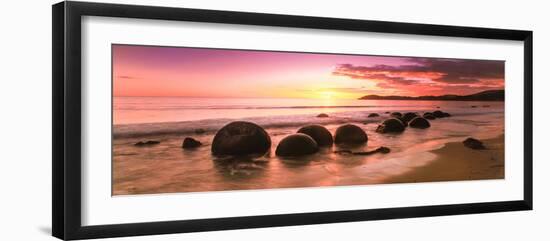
column 210, row 126
column 251, row 107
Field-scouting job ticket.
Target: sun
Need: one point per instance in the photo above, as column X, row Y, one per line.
column 327, row 94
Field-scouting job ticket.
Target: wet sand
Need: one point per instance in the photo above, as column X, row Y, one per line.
column 455, row 162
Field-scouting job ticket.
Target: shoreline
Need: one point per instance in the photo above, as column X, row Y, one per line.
column 455, row 162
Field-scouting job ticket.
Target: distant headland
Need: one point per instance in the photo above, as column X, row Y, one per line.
column 488, row 95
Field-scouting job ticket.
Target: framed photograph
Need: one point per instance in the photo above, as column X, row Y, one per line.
column 171, row 120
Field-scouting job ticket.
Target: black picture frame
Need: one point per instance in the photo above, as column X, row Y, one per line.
column 66, row 157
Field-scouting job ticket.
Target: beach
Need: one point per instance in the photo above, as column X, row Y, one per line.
column 416, row 155
column 455, row 162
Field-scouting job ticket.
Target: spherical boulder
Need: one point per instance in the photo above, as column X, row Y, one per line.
column 241, row 138
column 420, row 123
column 322, row 115
column 409, row 116
column 429, row 116
column 296, row 145
column 391, row 126
column 319, row 133
column 350, row 134
column 373, row 115
column 189, row 143
column 396, row 114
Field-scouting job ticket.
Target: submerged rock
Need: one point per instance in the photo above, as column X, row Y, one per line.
column 343, row 152
column 382, row 149
column 396, row 114
column 296, row 145
column 429, row 116
column 420, row 123
column 391, row 126
column 147, row 143
column 350, row 134
column 373, row 115
column 473, row 144
column 241, row 138
column 189, row 142
column 322, row 115
column 199, row 131
column 319, row 133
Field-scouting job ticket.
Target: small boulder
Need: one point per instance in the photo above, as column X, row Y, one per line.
column 319, row 133
column 322, row 115
column 429, row 116
column 199, row 131
column 373, row 115
column 438, row 114
column 474, row 106
column 189, row 142
column 473, row 144
column 409, row 116
column 147, row 143
column 350, row 134
column 296, row 145
column 391, row 126
column 241, row 138
column 396, row 114
column 445, row 114
column 420, row 123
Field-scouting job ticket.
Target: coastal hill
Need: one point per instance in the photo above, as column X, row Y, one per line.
column 488, row 95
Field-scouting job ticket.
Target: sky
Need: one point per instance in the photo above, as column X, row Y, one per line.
column 219, row 73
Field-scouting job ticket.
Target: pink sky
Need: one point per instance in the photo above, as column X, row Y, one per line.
column 199, row 72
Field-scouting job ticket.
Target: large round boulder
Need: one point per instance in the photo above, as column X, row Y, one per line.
column 296, row 145
column 420, row 123
column 241, row 138
column 409, row 116
column 319, row 133
column 350, row 134
column 392, row 125
column 429, row 116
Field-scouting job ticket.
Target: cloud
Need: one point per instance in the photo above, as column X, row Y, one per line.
column 419, row 70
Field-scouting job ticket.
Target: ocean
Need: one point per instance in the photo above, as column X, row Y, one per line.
column 167, row 168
